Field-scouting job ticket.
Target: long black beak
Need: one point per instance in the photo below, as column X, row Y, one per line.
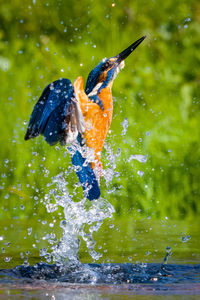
column 124, row 54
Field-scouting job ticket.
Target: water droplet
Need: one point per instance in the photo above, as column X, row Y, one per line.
column 185, row 238
column 130, row 258
column 140, row 173
column 43, row 251
column 7, row 259
column 138, row 157
column 125, row 126
column 29, row 231
column 35, row 153
column 168, row 249
column 187, row 20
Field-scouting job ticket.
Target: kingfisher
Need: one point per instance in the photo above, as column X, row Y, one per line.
column 80, row 118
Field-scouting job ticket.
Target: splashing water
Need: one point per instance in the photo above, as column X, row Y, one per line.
column 109, row 173
column 168, row 254
column 138, row 157
column 81, row 219
column 140, row 173
column 125, row 126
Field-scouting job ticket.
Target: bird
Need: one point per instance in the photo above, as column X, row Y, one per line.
column 80, row 118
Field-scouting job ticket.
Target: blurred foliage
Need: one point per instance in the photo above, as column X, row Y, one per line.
column 158, row 92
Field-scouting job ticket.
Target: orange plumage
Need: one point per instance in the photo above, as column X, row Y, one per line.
column 97, row 121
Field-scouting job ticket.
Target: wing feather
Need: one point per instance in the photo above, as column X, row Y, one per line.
column 58, row 117
column 51, row 114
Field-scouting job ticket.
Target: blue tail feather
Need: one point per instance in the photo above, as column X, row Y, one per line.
column 86, row 176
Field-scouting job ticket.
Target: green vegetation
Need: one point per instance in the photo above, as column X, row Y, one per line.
column 158, row 92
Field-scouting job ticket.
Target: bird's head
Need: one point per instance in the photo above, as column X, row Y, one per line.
column 107, row 70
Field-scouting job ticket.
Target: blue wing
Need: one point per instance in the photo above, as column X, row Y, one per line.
column 49, row 116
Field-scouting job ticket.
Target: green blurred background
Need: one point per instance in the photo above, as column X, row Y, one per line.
column 158, row 92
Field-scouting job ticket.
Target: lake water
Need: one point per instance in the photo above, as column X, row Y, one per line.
column 131, row 263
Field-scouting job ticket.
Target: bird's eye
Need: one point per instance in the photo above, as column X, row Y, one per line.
column 105, row 66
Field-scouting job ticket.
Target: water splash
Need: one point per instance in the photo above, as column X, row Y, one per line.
column 81, row 220
column 125, row 126
column 109, row 172
column 167, row 256
column 185, row 238
column 138, row 157
column 140, row 173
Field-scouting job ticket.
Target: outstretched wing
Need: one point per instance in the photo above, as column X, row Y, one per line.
column 56, row 114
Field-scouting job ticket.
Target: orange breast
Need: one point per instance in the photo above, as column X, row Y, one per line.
column 97, row 121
